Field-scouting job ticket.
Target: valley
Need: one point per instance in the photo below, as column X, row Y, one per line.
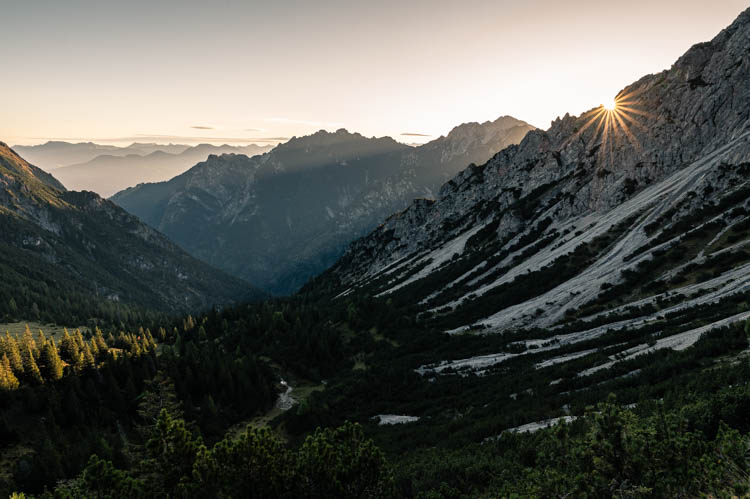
column 502, row 311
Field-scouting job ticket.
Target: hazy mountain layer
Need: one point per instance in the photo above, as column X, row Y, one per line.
column 280, row 218
column 56, row 154
column 108, row 174
column 108, row 169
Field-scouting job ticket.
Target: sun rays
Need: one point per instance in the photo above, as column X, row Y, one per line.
column 612, row 124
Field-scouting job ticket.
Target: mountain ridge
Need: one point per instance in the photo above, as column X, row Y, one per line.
column 304, row 200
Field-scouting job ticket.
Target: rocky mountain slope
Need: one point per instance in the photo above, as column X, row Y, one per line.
column 610, row 235
column 280, row 218
column 70, row 252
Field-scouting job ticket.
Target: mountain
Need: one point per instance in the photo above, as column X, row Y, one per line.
column 68, row 255
column 628, row 228
column 107, row 174
column 278, row 219
column 56, row 154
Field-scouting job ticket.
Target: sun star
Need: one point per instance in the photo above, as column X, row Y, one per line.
column 610, row 105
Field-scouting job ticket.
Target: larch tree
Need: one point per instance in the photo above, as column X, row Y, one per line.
column 30, row 368
column 8, row 380
column 53, row 366
column 13, row 353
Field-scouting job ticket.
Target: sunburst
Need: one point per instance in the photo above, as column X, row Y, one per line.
column 612, row 123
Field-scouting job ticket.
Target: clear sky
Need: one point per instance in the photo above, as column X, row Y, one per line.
column 260, row 71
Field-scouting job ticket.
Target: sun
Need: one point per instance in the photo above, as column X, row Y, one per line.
column 611, row 125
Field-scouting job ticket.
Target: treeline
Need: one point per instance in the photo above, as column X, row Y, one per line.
column 38, row 360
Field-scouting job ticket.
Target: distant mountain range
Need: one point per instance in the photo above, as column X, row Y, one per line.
column 280, row 218
column 56, row 154
column 108, row 169
column 70, row 256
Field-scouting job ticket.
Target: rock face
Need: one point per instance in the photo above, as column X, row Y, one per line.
column 63, row 245
column 278, row 219
column 606, row 221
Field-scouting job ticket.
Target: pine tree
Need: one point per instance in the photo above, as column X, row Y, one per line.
column 151, row 341
column 8, row 380
column 53, row 367
column 87, row 358
column 14, row 353
column 94, row 349
column 100, row 343
column 69, row 348
column 78, row 337
column 27, row 341
column 174, row 449
column 30, row 367
column 41, row 340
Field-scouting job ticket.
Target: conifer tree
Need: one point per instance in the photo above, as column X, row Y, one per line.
column 30, row 367
column 87, row 357
column 69, row 348
column 8, row 380
column 150, row 339
column 14, row 353
column 99, row 339
column 41, row 340
column 79, row 339
column 53, row 367
column 94, row 349
column 27, row 341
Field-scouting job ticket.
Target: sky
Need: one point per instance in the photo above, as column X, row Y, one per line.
column 263, row 71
